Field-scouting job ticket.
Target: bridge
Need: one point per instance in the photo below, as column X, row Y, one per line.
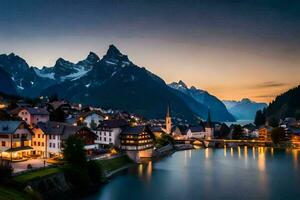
column 224, row 142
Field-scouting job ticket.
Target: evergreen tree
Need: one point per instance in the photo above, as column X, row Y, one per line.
column 237, row 132
column 260, row 118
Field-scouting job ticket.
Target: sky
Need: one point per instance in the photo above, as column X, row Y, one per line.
column 232, row 48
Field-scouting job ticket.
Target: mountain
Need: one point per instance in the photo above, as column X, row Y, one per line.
column 6, row 84
column 115, row 82
column 286, row 104
column 205, row 102
column 244, row 109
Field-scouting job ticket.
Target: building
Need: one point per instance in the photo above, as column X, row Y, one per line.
column 15, row 139
column 91, row 119
column 108, row 132
column 264, row 133
column 157, row 131
column 137, row 141
column 32, row 115
column 168, row 121
column 201, row 131
column 48, row 138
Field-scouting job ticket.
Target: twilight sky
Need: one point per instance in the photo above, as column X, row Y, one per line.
column 233, row 49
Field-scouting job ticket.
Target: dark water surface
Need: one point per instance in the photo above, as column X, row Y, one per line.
column 240, row 173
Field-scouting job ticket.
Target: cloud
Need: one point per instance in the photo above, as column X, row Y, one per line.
column 265, row 96
column 270, row 84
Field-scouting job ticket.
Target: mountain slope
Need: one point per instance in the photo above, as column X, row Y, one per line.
column 205, row 101
column 286, row 104
column 244, row 109
column 6, row 84
column 115, row 82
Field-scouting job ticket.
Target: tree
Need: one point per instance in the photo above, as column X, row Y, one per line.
column 74, row 152
column 237, row 132
column 5, row 170
column 273, row 121
column 260, row 118
column 277, row 134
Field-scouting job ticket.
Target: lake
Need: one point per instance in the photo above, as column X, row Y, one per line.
column 230, row 173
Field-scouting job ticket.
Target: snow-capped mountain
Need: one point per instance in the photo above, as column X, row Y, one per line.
column 244, row 109
column 212, row 103
column 65, row 70
column 111, row 82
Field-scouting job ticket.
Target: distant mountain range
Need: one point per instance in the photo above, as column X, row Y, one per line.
column 286, row 105
column 204, row 100
column 244, row 109
column 111, row 82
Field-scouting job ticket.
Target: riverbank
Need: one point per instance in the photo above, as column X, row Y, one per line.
column 32, row 185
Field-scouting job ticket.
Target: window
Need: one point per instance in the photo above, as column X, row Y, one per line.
column 39, row 135
column 110, row 134
column 42, row 136
column 39, row 144
column 42, row 144
column 105, row 139
column 50, row 144
column 3, row 143
column 34, row 143
column 109, row 139
column 104, row 133
column 53, row 145
column 100, row 138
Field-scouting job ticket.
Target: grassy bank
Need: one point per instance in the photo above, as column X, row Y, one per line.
column 26, row 177
column 8, row 193
column 114, row 163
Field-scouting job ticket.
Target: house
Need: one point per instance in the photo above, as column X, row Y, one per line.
column 91, row 119
column 137, row 141
column 32, row 115
column 108, row 131
column 264, row 133
column 196, row 131
column 48, row 138
column 15, row 139
column 59, row 105
column 157, row 131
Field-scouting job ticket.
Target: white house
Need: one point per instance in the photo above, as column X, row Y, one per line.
column 91, row 116
column 15, row 139
column 199, row 132
column 109, row 130
column 33, row 115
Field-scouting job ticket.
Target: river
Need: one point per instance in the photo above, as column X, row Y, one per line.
column 240, row 173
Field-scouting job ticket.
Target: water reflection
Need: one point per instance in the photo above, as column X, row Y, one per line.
column 144, row 171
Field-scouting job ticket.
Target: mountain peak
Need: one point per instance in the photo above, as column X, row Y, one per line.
column 92, row 57
column 113, row 51
column 182, row 84
column 246, row 100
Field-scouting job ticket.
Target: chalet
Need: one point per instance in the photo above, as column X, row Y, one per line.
column 48, row 138
column 91, row 119
column 157, row 131
column 32, row 115
column 138, row 141
column 264, row 133
column 62, row 105
column 15, row 139
column 108, row 131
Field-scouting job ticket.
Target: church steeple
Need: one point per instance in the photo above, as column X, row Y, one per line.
column 168, row 120
column 208, row 121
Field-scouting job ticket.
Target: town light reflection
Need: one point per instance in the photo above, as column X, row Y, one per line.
column 261, row 159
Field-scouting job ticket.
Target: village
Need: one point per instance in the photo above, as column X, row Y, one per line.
column 33, row 136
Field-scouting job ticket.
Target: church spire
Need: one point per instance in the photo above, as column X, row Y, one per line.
column 168, row 120
column 208, row 122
